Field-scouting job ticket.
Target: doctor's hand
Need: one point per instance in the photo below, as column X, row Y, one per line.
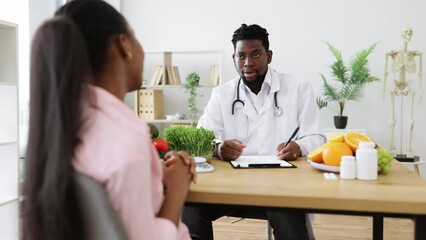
column 289, row 153
column 231, row 149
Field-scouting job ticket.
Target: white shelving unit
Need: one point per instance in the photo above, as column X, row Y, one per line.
column 9, row 132
column 186, row 61
column 174, row 96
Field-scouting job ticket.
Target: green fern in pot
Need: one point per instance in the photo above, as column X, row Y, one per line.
column 351, row 80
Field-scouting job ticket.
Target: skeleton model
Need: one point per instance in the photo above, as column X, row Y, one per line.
column 403, row 61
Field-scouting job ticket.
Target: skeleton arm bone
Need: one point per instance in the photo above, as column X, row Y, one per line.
column 392, row 124
column 386, row 75
column 420, row 54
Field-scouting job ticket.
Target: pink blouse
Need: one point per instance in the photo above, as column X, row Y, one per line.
column 116, row 151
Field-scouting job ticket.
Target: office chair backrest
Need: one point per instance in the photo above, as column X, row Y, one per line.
column 100, row 220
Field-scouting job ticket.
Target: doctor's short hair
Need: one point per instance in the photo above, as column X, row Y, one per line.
column 251, row 32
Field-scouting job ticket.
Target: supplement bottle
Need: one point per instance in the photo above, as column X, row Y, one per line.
column 366, row 161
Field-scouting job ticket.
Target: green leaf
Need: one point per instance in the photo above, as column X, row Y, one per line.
column 339, row 71
column 195, row 141
column 191, row 83
column 359, row 66
column 353, row 92
column 330, row 93
column 321, row 103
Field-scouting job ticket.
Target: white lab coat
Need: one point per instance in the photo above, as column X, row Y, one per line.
column 262, row 131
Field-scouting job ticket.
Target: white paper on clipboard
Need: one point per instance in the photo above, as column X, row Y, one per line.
column 255, row 161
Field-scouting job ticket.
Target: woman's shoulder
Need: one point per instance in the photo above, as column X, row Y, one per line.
column 109, row 142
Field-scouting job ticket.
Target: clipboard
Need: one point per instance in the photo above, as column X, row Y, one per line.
column 255, row 161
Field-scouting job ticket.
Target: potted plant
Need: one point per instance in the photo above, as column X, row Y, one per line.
column 198, row 142
column 351, row 79
column 191, row 83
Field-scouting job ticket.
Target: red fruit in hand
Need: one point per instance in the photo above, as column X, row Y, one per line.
column 161, row 145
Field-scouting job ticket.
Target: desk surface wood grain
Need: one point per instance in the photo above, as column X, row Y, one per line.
column 304, row 187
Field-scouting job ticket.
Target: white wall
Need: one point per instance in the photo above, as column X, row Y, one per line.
column 115, row 3
column 298, row 30
column 17, row 12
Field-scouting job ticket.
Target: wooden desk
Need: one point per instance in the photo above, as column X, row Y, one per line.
column 399, row 194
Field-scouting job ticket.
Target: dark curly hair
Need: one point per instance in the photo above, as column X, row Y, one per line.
column 251, row 32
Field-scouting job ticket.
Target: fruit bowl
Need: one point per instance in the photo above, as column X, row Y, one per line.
column 324, row 167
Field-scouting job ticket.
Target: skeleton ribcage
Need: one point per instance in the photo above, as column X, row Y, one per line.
column 404, row 59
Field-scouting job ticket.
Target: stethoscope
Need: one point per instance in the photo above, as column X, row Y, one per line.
column 277, row 111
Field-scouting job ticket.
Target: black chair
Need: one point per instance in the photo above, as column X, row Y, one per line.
column 100, row 220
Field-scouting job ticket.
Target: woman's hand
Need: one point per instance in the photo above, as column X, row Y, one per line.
column 171, row 157
column 179, row 171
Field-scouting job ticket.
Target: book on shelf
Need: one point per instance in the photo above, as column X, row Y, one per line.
column 165, row 75
column 175, row 74
column 169, row 77
column 155, row 75
column 159, row 76
column 163, row 79
column 214, row 75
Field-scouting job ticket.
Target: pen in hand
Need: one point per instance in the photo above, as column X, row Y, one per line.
column 292, row 136
column 281, row 151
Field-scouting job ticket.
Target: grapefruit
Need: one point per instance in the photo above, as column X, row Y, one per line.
column 352, row 139
column 316, row 155
column 333, row 153
column 336, row 137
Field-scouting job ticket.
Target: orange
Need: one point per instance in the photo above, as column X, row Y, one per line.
column 333, row 153
column 316, row 155
column 353, row 139
column 335, row 137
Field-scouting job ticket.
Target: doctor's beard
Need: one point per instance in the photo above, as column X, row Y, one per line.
column 258, row 80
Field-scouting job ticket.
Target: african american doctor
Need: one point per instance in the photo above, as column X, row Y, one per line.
column 255, row 114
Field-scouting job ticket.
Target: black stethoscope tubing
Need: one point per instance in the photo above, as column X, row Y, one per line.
column 238, row 100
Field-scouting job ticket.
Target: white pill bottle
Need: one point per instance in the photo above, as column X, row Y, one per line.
column 348, row 167
column 366, row 161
